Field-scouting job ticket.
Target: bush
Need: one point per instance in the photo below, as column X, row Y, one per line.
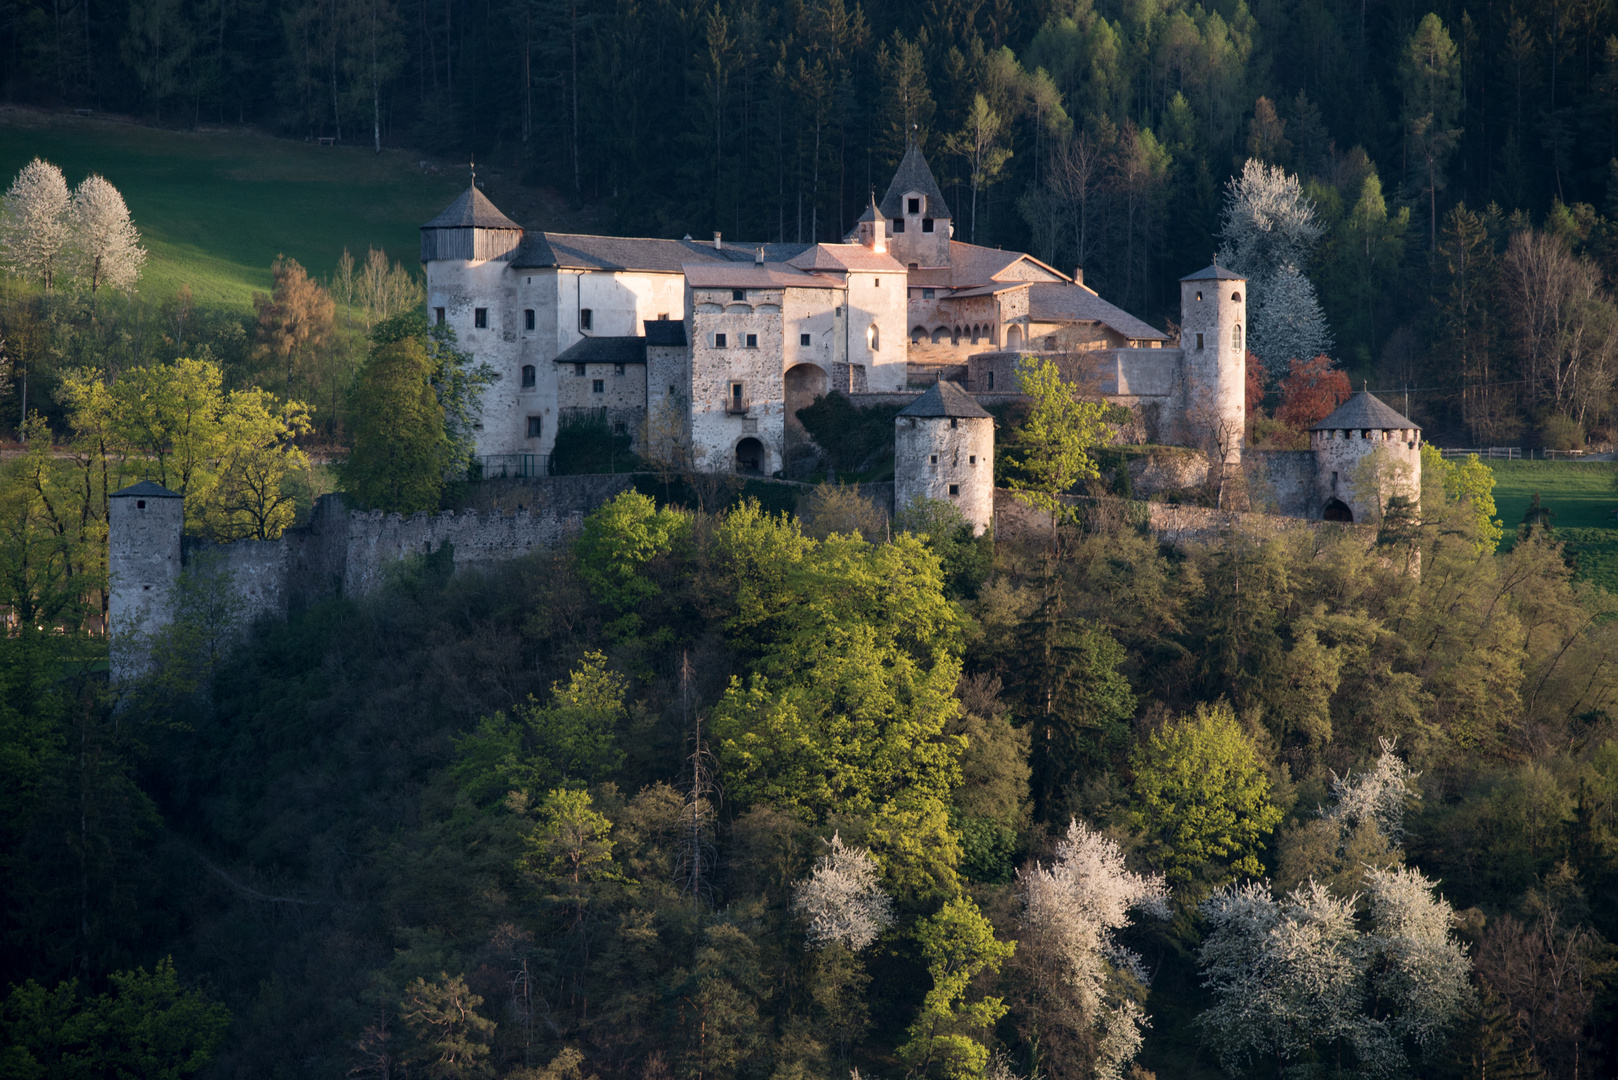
column 585, row 443
column 1561, row 433
column 854, row 439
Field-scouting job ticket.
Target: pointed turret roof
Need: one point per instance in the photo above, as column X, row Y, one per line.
column 471, row 210
column 945, row 399
column 914, row 175
column 1215, row 273
column 146, row 489
column 1364, row 411
column 871, row 211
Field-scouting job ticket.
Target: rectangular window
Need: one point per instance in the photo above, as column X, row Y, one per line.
column 528, row 374
column 878, row 283
column 752, row 341
column 738, row 395
column 804, row 339
column 586, row 318
column 955, row 489
column 898, row 225
column 438, row 316
column 598, row 386
column 972, row 460
column 954, row 422
column 935, row 459
column 738, row 294
column 719, row 341
column 620, row 427
column 535, row 425
column 617, row 369
column 913, row 205
column 480, row 318
column 991, row 380
column 662, row 316
column 578, row 371
column 528, row 318
column 1199, row 341
column 927, row 294
column 926, row 224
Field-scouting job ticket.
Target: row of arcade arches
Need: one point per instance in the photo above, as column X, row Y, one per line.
column 976, row 334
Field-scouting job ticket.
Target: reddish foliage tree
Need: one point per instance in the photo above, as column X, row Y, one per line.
column 1312, row 390
column 1255, row 384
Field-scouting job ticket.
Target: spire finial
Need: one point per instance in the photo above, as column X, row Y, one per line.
column 472, row 164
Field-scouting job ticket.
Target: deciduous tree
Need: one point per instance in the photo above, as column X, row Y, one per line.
column 35, row 224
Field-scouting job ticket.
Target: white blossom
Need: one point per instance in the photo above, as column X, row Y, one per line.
column 1268, row 222
column 1071, row 914
column 1418, row 967
column 1378, row 796
column 106, row 246
column 34, row 222
column 1288, row 323
column 841, row 900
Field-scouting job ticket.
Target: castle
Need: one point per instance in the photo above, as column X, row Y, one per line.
column 713, row 348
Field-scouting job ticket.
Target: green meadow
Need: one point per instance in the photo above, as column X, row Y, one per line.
column 1581, row 495
column 215, row 208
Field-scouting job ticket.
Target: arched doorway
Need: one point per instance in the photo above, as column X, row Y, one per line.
column 1337, row 510
column 803, row 383
column 750, row 457
column 1014, row 337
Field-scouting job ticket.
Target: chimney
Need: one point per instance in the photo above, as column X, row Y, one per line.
column 717, row 246
column 758, row 257
column 1078, row 276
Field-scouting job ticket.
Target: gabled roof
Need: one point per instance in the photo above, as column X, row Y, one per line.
column 750, row 276
column 945, row 399
column 914, row 175
column 838, row 257
column 1071, row 303
column 1364, row 411
column 605, row 350
column 146, row 489
column 972, row 265
column 471, row 210
column 579, row 251
column 1215, row 273
column 665, row 332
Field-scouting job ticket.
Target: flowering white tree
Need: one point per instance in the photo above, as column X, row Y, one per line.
column 1378, row 796
column 1269, row 230
column 1292, row 978
column 841, row 900
column 1076, row 969
column 34, row 223
column 105, row 244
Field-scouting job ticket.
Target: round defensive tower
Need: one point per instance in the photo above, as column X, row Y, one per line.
column 145, row 524
column 1365, row 454
column 1213, row 335
column 943, row 448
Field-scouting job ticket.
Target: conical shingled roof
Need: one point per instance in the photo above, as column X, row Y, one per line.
column 471, row 210
column 1215, row 273
column 146, row 489
column 1364, row 411
column 871, row 212
column 914, row 175
column 945, row 399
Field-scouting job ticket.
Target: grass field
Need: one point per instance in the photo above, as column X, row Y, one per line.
column 1583, row 498
column 215, row 209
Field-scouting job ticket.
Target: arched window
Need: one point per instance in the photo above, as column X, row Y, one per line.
column 528, row 376
column 1014, row 337
column 1236, row 337
column 1236, row 296
column 873, row 338
column 918, row 334
column 939, row 334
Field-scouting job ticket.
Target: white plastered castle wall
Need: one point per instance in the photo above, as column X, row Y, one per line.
column 876, row 328
column 933, row 454
column 460, row 288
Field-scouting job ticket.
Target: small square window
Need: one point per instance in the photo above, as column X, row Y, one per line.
column 972, row 459
column 528, row 376
column 535, row 425
column 926, row 224
column 955, row 489
column 954, row 423
column 1199, row 341
column 578, row 371
column 528, row 318
column 927, row 294
column 598, row 386
column 140, row 504
column 898, row 224
column 617, row 369
column 752, row 341
column 438, row 316
column 1199, row 297
column 719, row 341
column 913, row 206
column 935, row 459
column 738, row 294
column 662, row 316
column 480, row 318
column 804, row 339
column 619, row 427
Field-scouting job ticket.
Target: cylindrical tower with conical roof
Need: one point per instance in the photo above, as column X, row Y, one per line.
column 943, row 448
column 1213, row 335
column 1365, row 454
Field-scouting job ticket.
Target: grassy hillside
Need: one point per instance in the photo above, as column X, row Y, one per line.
column 216, row 208
column 1583, row 498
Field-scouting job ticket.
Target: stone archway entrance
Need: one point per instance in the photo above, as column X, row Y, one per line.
column 750, row 457
column 803, row 383
column 1337, row 510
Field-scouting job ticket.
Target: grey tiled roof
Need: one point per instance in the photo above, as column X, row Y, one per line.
column 1363, row 411
column 471, row 209
column 665, row 331
column 605, row 350
column 914, row 175
column 146, row 489
column 1215, row 273
column 1074, row 303
column 579, row 251
column 945, row 399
